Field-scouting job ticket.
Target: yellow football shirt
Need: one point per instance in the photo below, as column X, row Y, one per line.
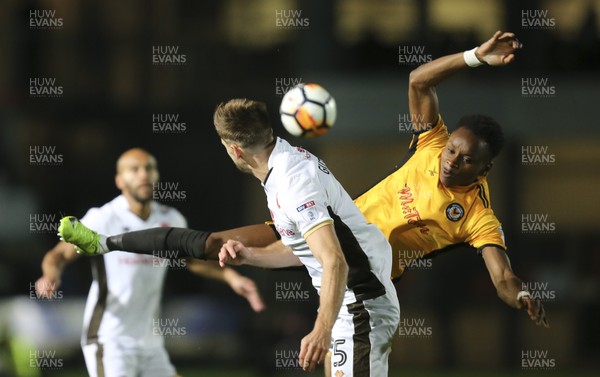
column 419, row 215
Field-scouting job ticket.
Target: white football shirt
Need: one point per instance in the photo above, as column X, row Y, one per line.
column 302, row 195
column 124, row 299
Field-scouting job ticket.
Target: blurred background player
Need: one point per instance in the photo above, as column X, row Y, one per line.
column 439, row 195
column 125, row 295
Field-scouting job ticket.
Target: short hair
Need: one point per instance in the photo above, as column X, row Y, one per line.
column 484, row 128
column 244, row 122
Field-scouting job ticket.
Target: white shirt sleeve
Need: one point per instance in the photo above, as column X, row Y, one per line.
column 180, row 220
column 96, row 220
column 305, row 202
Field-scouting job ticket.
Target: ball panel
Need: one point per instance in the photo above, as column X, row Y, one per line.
column 316, row 93
column 310, row 115
column 291, row 125
column 308, row 110
column 291, row 101
column 331, row 111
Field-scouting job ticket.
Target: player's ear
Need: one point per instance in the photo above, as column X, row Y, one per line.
column 118, row 181
column 237, row 151
column 487, row 169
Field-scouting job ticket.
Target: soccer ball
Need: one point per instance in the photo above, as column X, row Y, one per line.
column 308, row 110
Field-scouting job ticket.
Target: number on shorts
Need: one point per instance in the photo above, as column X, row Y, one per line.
column 340, row 353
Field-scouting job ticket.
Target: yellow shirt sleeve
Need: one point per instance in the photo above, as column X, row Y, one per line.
column 436, row 138
column 485, row 229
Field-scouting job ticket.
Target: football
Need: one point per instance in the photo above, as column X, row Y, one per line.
column 308, row 110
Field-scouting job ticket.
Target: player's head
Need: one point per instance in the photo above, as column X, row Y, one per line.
column 470, row 150
column 137, row 172
column 244, row 127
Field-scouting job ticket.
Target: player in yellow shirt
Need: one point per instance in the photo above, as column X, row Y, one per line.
column 439, row 197
column 421, row 207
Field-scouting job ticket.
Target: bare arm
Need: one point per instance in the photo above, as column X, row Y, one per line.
column 53, row 265
column 275, row 255
column 326, row 248
column 422, row 97
column 240, row 284
column 205, row 269
column 508, row 285
column 259, row 235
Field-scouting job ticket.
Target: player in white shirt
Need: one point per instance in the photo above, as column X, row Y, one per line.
column 322, row 229
column 124, row 299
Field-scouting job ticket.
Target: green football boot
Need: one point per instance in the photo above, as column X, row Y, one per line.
column 86, row 241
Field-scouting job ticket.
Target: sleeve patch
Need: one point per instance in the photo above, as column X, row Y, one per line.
column 305, row 206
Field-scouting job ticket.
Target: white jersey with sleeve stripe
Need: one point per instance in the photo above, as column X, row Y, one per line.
column 124, row 299
column 302, row 195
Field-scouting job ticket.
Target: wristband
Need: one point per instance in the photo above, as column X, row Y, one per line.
column 522, row 294
column 471, row 58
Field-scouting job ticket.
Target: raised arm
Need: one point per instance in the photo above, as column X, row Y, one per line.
column 422, row 97
column 53, row 265
column 508, row 285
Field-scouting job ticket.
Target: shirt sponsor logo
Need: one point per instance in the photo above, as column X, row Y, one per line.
column 284, row 232
column 306, row 154
column 323, row 167
column 455, row 212
column 411, row 214
column 305, row 206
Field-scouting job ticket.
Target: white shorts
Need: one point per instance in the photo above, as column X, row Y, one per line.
column 113, row 360
column 361, row 339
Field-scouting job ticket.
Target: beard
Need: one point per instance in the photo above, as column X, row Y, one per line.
column 141, row 194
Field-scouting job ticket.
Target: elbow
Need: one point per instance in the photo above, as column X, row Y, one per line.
column 499, row 292
column 416, row 79
column 500, row 284
column 343, row 268
column 337, row 266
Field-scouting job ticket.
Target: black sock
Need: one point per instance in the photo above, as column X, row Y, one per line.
column 179, row 242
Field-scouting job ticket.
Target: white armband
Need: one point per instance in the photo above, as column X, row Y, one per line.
column 471, row 59
column 522, row 294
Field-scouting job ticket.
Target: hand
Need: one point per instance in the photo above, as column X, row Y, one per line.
column 499, row 50
column 246, row 288
column 233, row 252
column 536, row 311
column 313, row 348
column 46, row 286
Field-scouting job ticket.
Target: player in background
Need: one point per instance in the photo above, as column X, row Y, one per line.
column 348, row 259
column 125, row 294
column 438, row 197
